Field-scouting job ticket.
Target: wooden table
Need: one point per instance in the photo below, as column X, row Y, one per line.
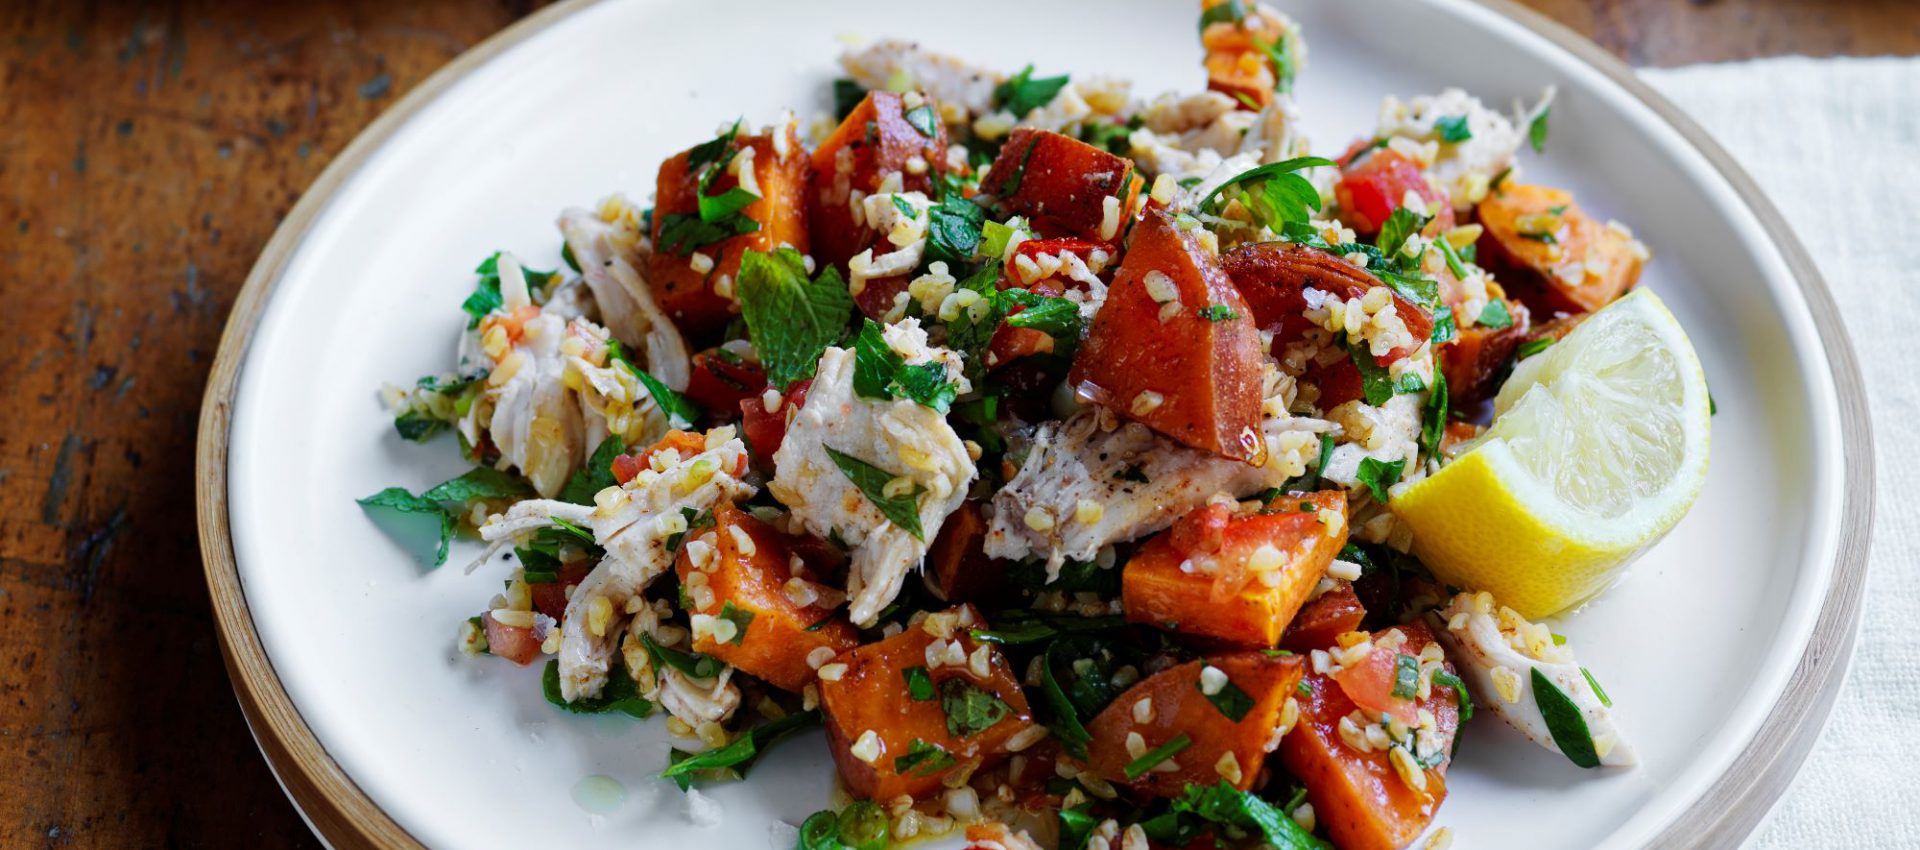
column 147, row 150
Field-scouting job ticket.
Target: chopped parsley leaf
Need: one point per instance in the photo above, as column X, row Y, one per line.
column 1453, row 128
column 902, row 511
column 1218, row 313
column 1021, row 93
column 1378, row 476
column 1495, row 315
column 969, row 709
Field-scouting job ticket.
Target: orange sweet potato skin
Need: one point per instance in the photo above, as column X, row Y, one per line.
column 872, row 695
column 1062, row 184
column 1179, row 708
column 1236, row 66
column 1231, row 604
column 776, row 642
column 874, row 140
column 1328, row 616
column 1273, row 277
column 957, row 566
column 1204, row 372
column 1583, row 268
column 1357, row 796
column 688, row 295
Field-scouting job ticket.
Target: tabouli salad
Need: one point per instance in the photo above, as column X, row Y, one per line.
column 1099, row 471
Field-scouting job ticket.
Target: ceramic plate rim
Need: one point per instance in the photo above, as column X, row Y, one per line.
column 344, row 816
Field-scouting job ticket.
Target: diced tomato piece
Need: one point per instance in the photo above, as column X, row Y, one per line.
column 1201, row 531
column 764, row 431
column 1361, row 799
column 1247, row 588
column 722, row 379
column 550, row 597
column 514, row 643
column 1376, row 184
column 687, row 443
column 1370, row 685
column 1154, row 356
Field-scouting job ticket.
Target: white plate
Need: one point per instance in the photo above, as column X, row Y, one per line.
column 1696, row 646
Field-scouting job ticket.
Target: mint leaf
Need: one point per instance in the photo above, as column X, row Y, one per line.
column 680, row 412
column 1564, row 721
column 1282, row 196
column 418, row 524
column 597, row 475
column 902, row 511
column 879, row 372
column 1379, row 475
column 1375, row 382
column 1433, row 421
column 969, row 709
column 1453, row 128
column 1401, row 224
column 1495, row 315
column 1021, row 93
column 481, row 482
column 790, row 320
column 953, row 231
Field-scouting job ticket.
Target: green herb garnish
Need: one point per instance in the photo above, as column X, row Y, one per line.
column 923, row 759
column 1495, row 315
column 1453, row 128
column 790, row 320
column 1406, row 676
column 1564, row 721
column 1154, row 757
column 919, row 683
column 1232, row 702
column 739, row 755
column 1378, row 476
column 902, row 511
column 1021, row 93
column 1218, row 313
column 969, row 709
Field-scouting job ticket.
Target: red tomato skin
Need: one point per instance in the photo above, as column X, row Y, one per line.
column 1370, row 685
column 514, row 643
column 719, row 385
column 1373, row 186
column 765, row 431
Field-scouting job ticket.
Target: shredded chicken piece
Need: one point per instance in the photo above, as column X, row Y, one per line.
column 533, row 420
column 632, row 522
column 1141, row 480
column 892, row 64
column 608, row 256
column 902, row 437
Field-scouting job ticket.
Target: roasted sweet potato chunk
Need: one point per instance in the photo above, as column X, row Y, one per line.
column 1228, row 722
column 1273, row 277
column 897, row 724
column 1472, row 359
column 1360, row 797
column 1064, row 185
column 1246, row 581
column 1324, row 618
column 1558, row 259
column 1175, row 346
column 743, row 565
column 957, row 566
column 696, row 292
column 1238, row 62
column 880, row 137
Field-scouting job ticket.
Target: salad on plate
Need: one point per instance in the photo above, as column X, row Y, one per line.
column 1095, row 470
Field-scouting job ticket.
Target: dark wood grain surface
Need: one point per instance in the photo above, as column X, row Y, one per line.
column 147, row 151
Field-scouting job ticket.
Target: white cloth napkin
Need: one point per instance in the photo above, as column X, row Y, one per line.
column 1836, row 143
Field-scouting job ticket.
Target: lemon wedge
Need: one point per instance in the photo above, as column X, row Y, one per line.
column 1598, row 447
